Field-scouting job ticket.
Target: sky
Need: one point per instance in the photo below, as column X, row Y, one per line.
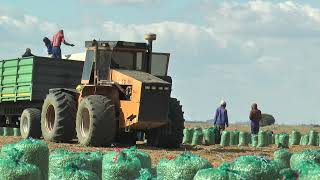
column 241, row 51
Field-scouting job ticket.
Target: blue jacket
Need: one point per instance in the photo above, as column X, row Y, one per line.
column 221, row 116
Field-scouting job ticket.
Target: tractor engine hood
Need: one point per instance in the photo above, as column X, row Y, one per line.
column 150, row 97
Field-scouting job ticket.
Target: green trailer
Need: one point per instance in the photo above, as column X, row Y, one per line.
column 25, row 82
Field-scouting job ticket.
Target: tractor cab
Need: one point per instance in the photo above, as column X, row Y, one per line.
column 102, row 56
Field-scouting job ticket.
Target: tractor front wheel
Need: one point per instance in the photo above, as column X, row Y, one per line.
column 96, row 121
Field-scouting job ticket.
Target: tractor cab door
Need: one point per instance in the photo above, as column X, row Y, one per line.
column 159, row 64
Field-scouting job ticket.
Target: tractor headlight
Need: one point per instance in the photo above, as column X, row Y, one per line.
column 153, row 87
column 166, row 88
column 160, row 88
column 147, row 87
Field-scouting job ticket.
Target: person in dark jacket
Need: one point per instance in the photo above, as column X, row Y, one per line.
column 221, row 117
column 27, row 53
column 255, row 116
column 48, row 44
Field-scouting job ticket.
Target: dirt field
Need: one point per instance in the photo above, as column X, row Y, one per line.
column 215, row 154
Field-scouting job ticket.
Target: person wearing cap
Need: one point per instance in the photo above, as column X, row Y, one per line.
column 221, row 117
column 57, row 39
column 255, row 116
column 27, row 53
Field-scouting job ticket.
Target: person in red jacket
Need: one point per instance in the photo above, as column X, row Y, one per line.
column 255, row 116
column 57, row 39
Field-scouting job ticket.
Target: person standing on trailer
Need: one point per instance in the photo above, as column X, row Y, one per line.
column 57, row 39
column 48, row 44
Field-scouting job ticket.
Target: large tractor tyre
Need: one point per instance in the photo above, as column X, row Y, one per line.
column 30, row 123
column 171, row 135
column 96, row 123
column 58, row 117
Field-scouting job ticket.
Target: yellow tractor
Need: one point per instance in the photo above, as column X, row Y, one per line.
column 124, row 90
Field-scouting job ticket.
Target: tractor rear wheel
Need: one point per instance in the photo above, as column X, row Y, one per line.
column 30, row 125
column 58, row 117
column 96, row 121
column 171, row 135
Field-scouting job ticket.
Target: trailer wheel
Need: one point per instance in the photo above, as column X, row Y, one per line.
column 58, row 117
column 30, row 125
column 171, row 135
column 96, row 122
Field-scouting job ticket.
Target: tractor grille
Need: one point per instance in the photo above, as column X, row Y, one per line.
column 154, row 104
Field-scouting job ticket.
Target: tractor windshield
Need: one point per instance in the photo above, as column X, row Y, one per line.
column 127, row 60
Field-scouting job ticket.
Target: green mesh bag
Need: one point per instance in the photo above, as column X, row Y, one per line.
column 288, row 174
column 144, row 158
column 313, row 138
column 276, row 139
column 243, row 138
column 209, row 136
column 59, row 159
column 282, row 157
column 232, row 174
column 308, row 169
column 225, row 139
column 211, row 174
column 295, row 138
column 249, row 138
column 119, row 166
column 269, row 137
column 187, row 135
column 311, row 174
column 197, row 137
column 145, row 174
column 16, row 132
column 34, row 152
column 262, row 139
column 184, row 166
column 273, row 140
column 304, row 140
column 92, row 161
column 283, row 140
column 307, row 155
column 7, row 131
column 254, row 140
column 255, row 167
column 75, row 170
column 1, row 131
column 234, row 138
column 15, row 170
